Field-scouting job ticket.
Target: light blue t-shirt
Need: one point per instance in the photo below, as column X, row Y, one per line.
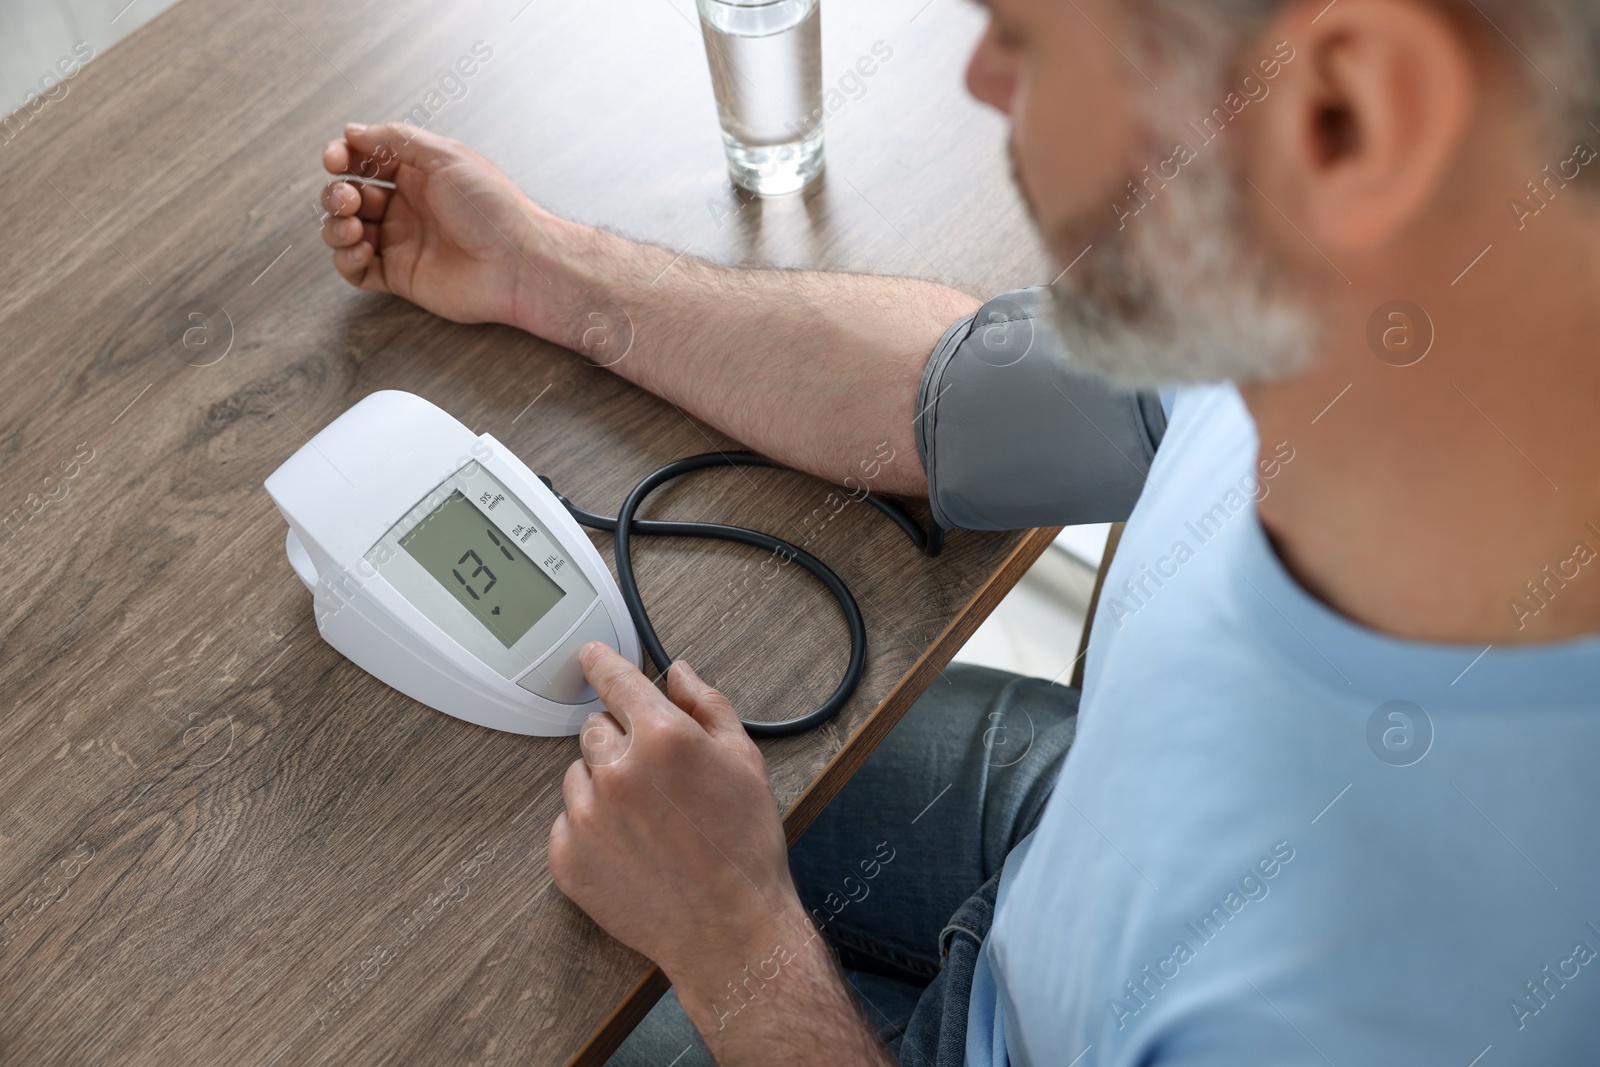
column 1283, row 838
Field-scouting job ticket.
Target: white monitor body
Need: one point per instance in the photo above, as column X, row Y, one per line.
column 375, row 522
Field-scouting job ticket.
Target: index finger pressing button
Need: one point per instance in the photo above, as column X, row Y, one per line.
column 559, row 676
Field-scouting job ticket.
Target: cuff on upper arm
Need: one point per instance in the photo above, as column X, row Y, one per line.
column 1012, row 437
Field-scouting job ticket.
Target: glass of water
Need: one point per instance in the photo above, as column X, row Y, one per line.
column 766, row 69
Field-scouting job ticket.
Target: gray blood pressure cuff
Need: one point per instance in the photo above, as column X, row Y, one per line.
column 1011, row 436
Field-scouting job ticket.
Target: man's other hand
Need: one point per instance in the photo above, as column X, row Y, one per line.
column 671, row 839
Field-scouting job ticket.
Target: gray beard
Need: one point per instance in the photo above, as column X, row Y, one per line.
column 1182, row 294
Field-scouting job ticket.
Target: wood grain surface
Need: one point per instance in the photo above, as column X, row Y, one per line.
column 220, row 842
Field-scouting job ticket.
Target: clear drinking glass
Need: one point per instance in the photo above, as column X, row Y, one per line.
column 766, row 69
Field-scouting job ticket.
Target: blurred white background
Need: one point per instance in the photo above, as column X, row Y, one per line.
column 1035, row 629
column 34, row 34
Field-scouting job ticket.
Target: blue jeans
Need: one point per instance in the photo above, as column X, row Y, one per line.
column 900, row 870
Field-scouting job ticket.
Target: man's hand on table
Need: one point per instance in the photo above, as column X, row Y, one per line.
column 456, row 236
column 671, row 840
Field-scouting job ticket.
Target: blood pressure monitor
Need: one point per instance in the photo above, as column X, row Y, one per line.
column 440, row 563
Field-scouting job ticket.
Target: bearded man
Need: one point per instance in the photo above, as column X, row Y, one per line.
column 1324, row 336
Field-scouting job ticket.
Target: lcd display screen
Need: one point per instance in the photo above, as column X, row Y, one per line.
column 483, row 568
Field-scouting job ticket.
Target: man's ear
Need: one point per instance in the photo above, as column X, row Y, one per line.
column 1372, row 114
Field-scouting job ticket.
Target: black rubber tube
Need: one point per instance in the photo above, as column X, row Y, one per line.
column 626, row 525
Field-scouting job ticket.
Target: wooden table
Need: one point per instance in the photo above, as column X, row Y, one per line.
column 219, row 841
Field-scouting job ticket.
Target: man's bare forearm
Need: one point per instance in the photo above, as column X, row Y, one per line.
column 789, row 1006
column 819, row 371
